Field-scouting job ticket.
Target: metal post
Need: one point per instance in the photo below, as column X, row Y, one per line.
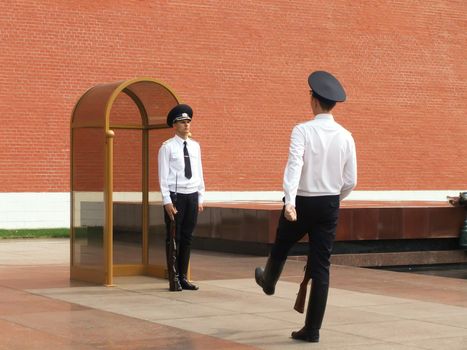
column 462, row 201
column 108, row 198
column 463, row 234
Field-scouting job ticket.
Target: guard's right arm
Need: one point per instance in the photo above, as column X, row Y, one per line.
column 163, row 165
column 163, row 172
column 293, row 170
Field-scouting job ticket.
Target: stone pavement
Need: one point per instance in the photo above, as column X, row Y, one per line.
column 367, row 309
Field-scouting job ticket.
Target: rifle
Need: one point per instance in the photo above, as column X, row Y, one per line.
column 173, row 223
column 172, row 270
column 172, row 255
column 301, row 296
column 172, row 241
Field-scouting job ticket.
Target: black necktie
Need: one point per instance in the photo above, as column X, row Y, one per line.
column 186, row 156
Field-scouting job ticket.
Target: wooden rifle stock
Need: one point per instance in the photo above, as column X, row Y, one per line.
column 172, row 253
column 172, row 248
column 173, row 229
column 301, row 296
column 173, row 223
column 173, row 233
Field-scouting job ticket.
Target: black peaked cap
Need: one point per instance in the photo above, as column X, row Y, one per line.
column 179, row 112
column 327, row 86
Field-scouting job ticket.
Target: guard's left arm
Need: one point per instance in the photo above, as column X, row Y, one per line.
column 201, row 186
column 350, row 171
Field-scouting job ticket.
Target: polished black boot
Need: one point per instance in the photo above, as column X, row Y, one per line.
column 314, row 313
column 185, row 284
column 268, row 277
column 172, row 274
column 183, row 262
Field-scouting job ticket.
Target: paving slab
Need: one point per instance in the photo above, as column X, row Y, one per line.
column 41, row 308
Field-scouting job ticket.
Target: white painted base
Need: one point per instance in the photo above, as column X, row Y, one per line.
column 34, row 210
column 52, row 209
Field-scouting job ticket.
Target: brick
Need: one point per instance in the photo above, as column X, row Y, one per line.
column 243, row 69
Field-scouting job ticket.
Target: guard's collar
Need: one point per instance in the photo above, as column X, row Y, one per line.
column 180, row 140
column 324, row 116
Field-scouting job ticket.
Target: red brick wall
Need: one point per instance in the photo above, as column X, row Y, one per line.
column 243, row 67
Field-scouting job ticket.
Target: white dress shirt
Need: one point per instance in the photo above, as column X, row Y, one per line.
column 322, row 160
column 172, row 169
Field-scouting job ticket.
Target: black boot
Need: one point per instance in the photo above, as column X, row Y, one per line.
column 314, row 313
column 183, row 262
column 268, row 277
column 171, row 256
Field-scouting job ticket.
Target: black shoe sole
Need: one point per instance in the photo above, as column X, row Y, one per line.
column 304, row 337
column 259, row 276
column 260, row 282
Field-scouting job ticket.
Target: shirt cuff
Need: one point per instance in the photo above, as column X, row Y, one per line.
column 166, row 199
column 289, row 200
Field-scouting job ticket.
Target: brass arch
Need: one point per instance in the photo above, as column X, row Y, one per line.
column 103, row 96
column 119, row 87
column 123, row 87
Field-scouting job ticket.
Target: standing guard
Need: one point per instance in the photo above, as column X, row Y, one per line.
column 182, row 187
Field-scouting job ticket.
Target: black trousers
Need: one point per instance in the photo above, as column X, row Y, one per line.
column 186, row 218
column 317, row 217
